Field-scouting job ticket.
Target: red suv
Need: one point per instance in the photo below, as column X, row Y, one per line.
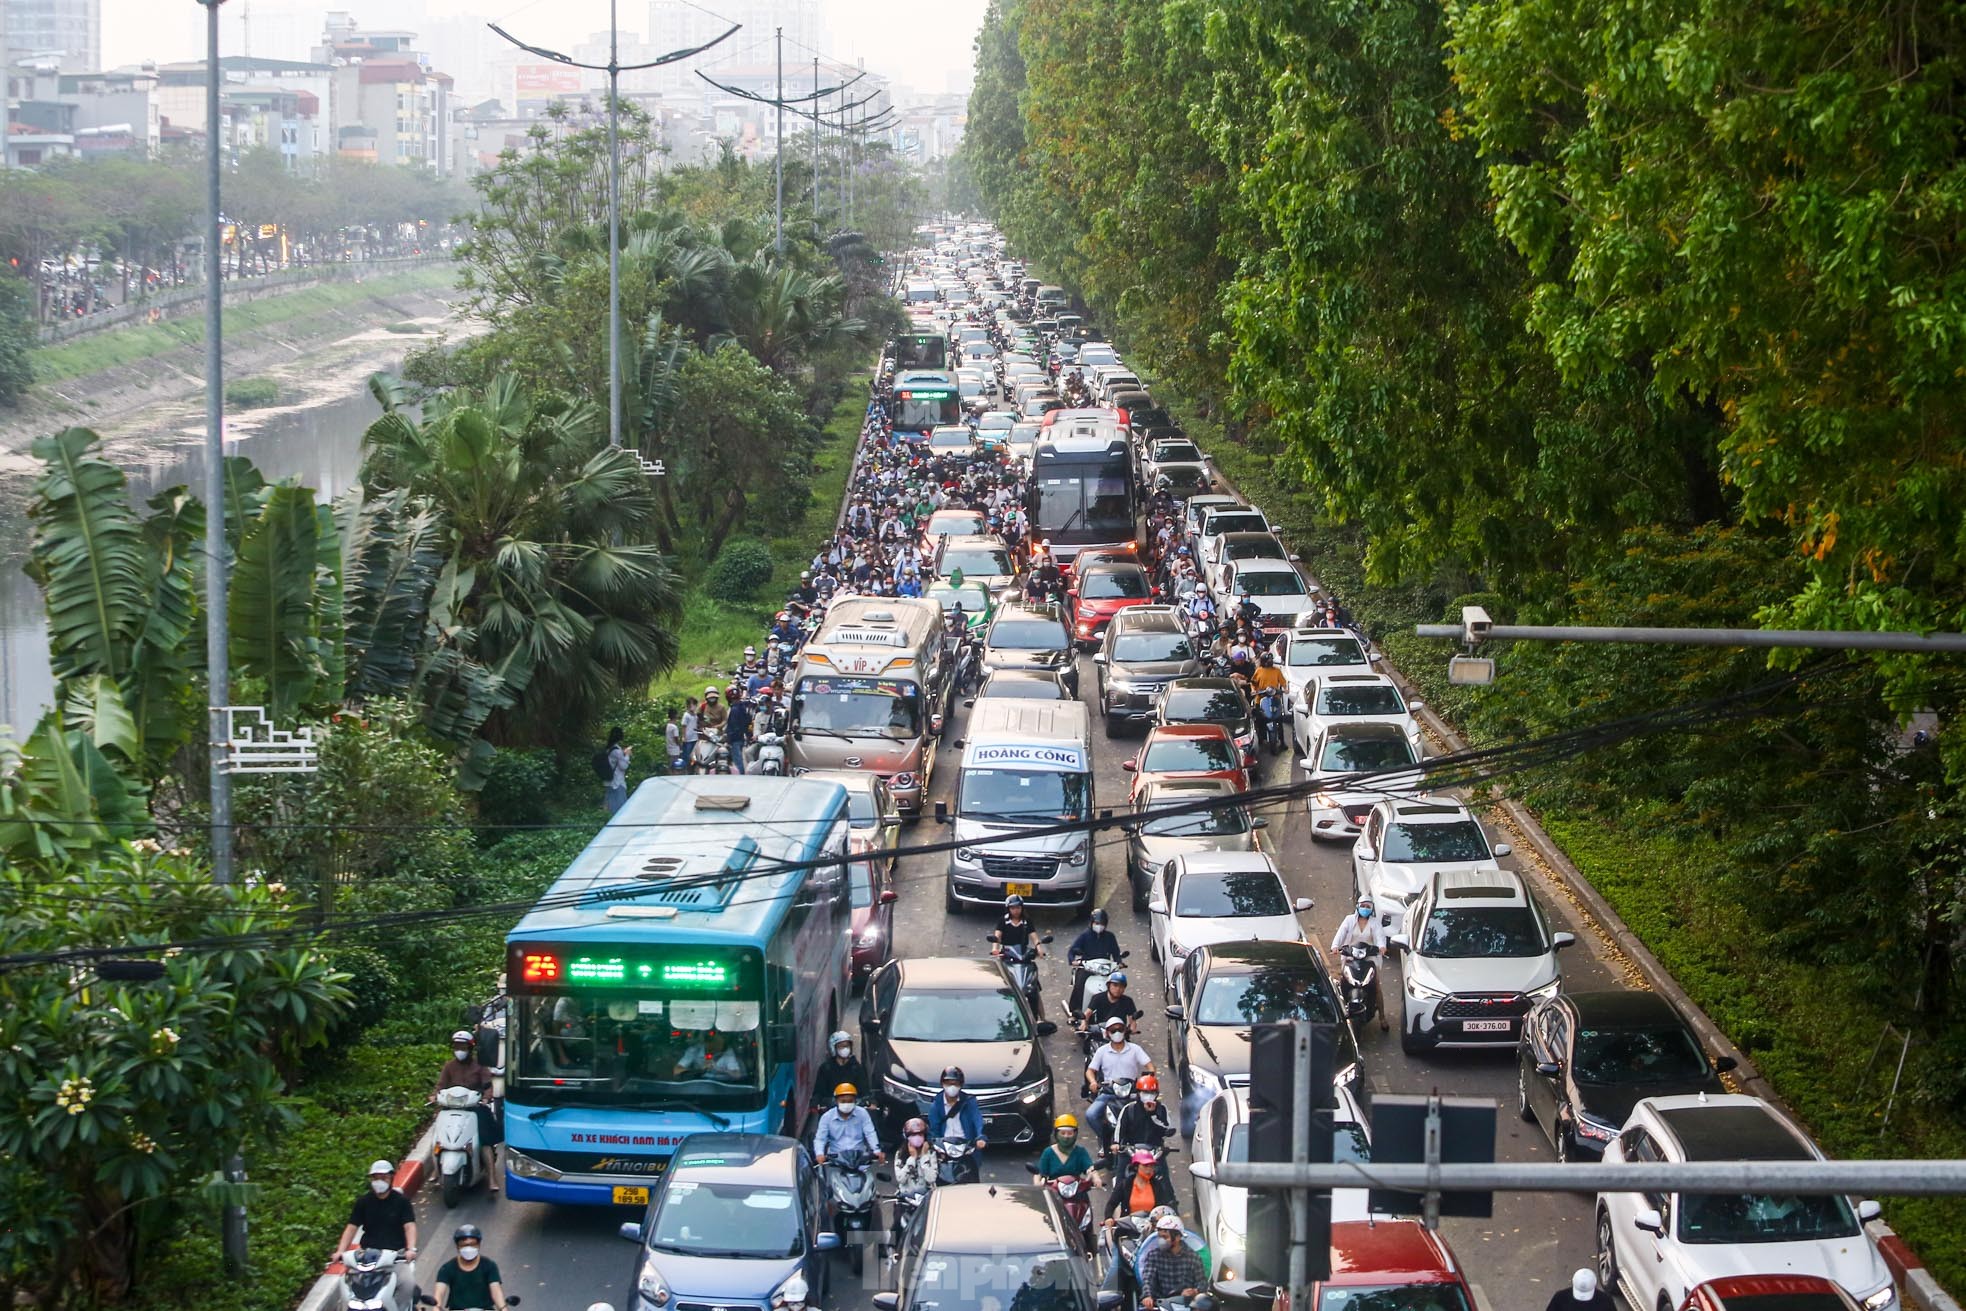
column 1769, row 1293
column 1102, row 591
column 1385, row 1256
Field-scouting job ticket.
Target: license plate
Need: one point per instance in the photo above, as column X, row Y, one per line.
column 1485, row 1026
column 1016, row 889
column 631, row 1195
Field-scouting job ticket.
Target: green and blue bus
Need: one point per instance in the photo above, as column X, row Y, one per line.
column 680, row 977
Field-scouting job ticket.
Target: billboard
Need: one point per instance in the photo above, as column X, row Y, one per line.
column 544, row 81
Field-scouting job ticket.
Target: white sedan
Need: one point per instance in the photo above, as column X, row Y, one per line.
column 1219, row 896
column 1333, row 699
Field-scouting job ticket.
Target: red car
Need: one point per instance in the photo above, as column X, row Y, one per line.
column 1769, row 1293
column 1186, row 751
column 1102, row 591
column 1386, row 1257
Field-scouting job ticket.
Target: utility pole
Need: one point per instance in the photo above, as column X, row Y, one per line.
column 778, row 155
column 614, row 68
column 817, row 227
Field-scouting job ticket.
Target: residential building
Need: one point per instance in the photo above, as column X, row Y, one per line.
column 39, row 131
column 69, row 30
column 122, row 103
column 286, row 104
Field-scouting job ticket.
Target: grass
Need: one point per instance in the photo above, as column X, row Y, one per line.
column 1810, row 1029
column 251, row 393
column 136, row 342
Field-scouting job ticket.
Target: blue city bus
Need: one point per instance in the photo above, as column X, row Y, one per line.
column 925, row 399
column 678, row 978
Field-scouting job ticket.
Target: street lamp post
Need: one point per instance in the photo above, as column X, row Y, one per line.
column 614, row 68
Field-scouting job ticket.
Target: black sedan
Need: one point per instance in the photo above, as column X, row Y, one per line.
column 1587, row 1057
column 923, row 1015
column 1224, row 989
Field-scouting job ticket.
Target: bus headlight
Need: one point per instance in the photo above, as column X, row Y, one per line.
column 526, row 1168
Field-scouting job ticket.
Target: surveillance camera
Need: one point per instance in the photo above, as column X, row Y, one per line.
column 1475, row 623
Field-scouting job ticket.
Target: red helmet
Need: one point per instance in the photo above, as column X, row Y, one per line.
column 1147, row 1083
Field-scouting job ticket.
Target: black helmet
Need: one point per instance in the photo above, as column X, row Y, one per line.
column 468, row 1234
column 1099, row 915
column 953, row 1072
column 1014, row 899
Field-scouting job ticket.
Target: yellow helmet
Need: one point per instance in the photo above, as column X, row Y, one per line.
column 845, row 1090
column 1067, row 1121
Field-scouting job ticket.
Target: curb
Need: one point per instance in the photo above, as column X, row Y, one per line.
column 1921, row 1289
column 410, row 1173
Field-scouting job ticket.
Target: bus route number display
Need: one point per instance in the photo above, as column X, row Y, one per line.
column 596, row 970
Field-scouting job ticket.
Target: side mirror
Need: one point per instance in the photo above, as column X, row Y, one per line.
column 942, row 812
column 1202, row 1170
column 1177, row 1013
column 935, row 723
column 631, row 1231
column 871, row 1023
column 1650, row 1222
column 1130, row 766
column 1399, row 940
column 1416, row 705
column 887, row 1302
column 1504, row 849
column 1296, row 559
column 1302, row 903
column 1562, row 940
column 1868, row 1211
column 826, row 1241
column 1099, row 658
column 1259, row 823
column 968, row 703
column 1722, row 1064
column 889, row 896
column 1548, row 1069
column 1046, row 1028
column 1157, row 906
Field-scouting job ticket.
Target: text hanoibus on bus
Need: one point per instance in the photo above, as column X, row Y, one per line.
column 1082, row 489
column 680, row 977
column 925, row 399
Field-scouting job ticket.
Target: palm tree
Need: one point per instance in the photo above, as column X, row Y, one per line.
column 784, row 315
column 552, row 583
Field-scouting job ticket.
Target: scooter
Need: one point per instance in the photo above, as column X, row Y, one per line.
column 956, row 1162
column 908, row 1199
column 1122, row 1091
column 771, row 755
column 710, row 757
column 371, row 1280
column 459, row 1160
column 1074, row 1197
column 1022, row 965
column 1089, row 980
column 1271, row 711
column 1359, row 981
column 850, row 1187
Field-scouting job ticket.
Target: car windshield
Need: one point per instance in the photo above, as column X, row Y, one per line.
column 1281, row 582
column 1465, row 932
column 957, row 525
column 872, row 707
column 1185, row 452
column 1434, row 843
column 727, row 1221
column 1234, row 895
column 1638, row 1056
column 1364, row 753
column 1255, row 548
column 958, row 1015
column 1763, row 1218
column 1019, row 634
column 1105, row 584
column 999, row 687
column 1215, row 822
column 1028, row 796
column 1392, row 1297
column 1359, row 699
column 1174, row 754
column 1235, row 521
column 1312, row 652
column 1264, row 997
column 1183, row 475
column 1214, row 705
column 1142, row 648
column 980, row 563
column 1000, row 1281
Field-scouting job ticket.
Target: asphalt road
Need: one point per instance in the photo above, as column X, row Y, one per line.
column 565, row 1259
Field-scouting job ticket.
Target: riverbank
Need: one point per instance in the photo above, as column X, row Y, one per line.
column 113, row 375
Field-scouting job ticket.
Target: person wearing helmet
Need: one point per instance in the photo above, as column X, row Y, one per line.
column 469, row 1279
column 1140, row 1189
column 714, row 713
column 1144, row 1121
column 1582, row 1295
column 1119, row 1057
column 846, row 1128
column 955, row 1113
column 1095, row 943
column 838, row 1068
column 1171, row 1269
column 1112, row 1004
column 464, row 1070
column 914, row 1159
column 381, row 1216
column 1014, row 929
column 1064, row 1155
column 1362, row 927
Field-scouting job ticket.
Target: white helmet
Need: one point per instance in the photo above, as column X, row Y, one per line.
column 840, row 1037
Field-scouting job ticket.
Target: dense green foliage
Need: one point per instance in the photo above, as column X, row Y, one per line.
column 741, row 568
column 16, row 338
column 1613, row 315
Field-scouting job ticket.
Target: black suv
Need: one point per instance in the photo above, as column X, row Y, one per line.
column 973, row 1247
column 1146, row 648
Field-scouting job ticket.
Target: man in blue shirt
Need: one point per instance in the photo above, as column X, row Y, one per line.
column 737, row 731
column 846, row 1128
column 955, row 1114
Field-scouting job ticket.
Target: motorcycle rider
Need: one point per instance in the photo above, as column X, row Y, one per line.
column 1120, row 1058
column 463, row 1070
column 1362, row 926
column 383, row 1216
column 1064, row 1154
column 1144, row 1120
column 841, row 1067
column 1013, row 930
column 1112, row 1004
column 848, row 1127
column 1141, row 1191
column 737, row 731
column 914, row 1160
column 956, row 1114
column 790, row 1297
column 1171, row 1268
column 1268, row 679
column 469, row 1279
column 1095, row 943
column 715, row 714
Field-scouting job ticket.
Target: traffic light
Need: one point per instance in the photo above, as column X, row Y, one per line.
column 1273, row 1095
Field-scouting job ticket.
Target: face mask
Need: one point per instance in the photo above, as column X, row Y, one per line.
column 1365, row 912
column 950, row 1090
column 846, row 1108
column 844, row 1053
column 378, row 1186
column 1119, row 1037
column 462, row 1053
column 916, row 1140
column 1148, row 1099
column 1066, row 1139
column 467, row 1253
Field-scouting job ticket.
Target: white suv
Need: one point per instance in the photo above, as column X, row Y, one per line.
column 1477, row 955
column 1405, row 843
column 1337, row 698
column 1660, row 1245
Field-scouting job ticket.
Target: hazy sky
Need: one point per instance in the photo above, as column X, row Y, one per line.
column 895, row 37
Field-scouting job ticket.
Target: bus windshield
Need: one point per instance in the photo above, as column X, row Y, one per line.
column 921, row 351
column 874, row 707
column 624, row 1045
column 920, row 409
column 1090, row 504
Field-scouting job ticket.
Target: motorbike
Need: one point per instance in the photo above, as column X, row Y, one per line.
column 771, row 754
column 956, row 1162
column 908, row 1199
column 372, row 1280
column 1359, row 981
column 1089, row 980
column 460, row 1163
column 1074, row 1197
column 711, row 756
column 1119, row 1158
column 1271, row 711
column 850, row 1188
column 1122, row 1093
column 1022, row 965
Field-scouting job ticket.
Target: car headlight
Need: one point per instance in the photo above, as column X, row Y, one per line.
column 1883, row 1297
column 1176, row 950
column 871, row 936
column 1125, row 686
column 898, row 1090
column 1228, row 1260
column 797, row 1276
column 1598, row 1131
column 1032, row 1093
column 965, row 856
column 1205, row 1080
column 1077, row 855
column 902, row 781
column 1548, row 990
column 1421, row 992
column 1323, row 801
column 651, row 1286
